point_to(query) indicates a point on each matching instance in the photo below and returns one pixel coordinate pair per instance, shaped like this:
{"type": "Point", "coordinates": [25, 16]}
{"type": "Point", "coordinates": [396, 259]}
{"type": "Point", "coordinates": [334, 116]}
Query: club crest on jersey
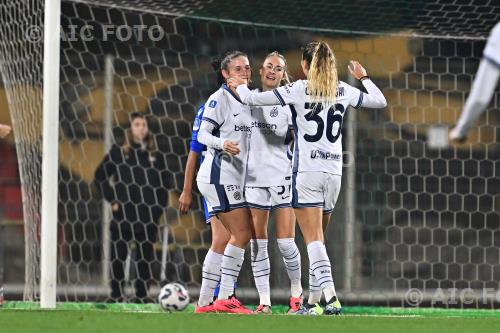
{"type": "Point", "coordinates": [274, 112]}
{"type": "Point", "coordinates": [212, 103]}
{"type": "Point", "coordinates": [237, 195]}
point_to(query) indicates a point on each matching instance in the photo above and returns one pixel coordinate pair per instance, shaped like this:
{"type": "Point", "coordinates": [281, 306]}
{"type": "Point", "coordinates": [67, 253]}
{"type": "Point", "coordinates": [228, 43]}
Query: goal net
{"type": "Point", "coordinates": [414, 219]}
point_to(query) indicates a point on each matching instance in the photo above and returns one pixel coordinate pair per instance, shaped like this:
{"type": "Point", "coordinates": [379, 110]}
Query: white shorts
{"type": "Point", "coordinates": [268, 198]}
{"type": "Point", "coordinates": [315, 189]}
{"type": "Point", "coordinates": [222, 198]}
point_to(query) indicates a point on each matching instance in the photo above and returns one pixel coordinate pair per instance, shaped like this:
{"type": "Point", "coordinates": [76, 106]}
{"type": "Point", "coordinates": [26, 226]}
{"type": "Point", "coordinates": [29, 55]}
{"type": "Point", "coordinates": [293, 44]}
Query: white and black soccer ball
{"type": "Point", "coordinates": [173, 297]}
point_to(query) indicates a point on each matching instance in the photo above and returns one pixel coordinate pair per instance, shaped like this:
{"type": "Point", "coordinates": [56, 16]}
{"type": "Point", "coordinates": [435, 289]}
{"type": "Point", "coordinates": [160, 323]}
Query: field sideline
{"type": "Point", "coordinates": [92, 317]}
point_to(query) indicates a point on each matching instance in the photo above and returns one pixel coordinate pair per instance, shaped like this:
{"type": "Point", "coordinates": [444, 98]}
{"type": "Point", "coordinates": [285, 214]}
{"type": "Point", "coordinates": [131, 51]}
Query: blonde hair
{"type": "Point", "coordinates": [322, 77]}
{"type": "Point", "coordinates": [286, 76]}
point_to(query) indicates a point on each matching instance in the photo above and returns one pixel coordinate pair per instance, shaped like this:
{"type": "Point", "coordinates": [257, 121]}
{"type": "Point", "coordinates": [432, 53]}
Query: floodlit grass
{"type": "Point", "coordinates": [103, 318]}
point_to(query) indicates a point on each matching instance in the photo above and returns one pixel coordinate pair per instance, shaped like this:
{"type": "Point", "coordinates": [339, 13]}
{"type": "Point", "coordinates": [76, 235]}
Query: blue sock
{"type": "Point", "coordinates": [216, 290]}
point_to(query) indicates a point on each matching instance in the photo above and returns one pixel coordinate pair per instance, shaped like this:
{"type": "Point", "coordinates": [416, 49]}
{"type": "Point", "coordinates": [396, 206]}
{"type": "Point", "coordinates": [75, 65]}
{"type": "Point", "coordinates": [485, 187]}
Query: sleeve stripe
{"type": "Point", "coordinates": [282, 101]}
{"type": "Point", "coordinates": [360, 100]}
{"type": "Point", "coordinates": [210, 120]}
{"type": "Point", "coordinates": [492, 61]}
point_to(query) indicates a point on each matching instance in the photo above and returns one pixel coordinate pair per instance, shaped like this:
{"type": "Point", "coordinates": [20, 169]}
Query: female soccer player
{"type": "Point", "coordinates": [220, 235]}
{"type": "Point", "coordinates": [268, 187]}
{"type": "Point", "coordinates": [482, 89]}
{"type": "Point", "coordinates": [225, 130]}
{"type": "Point", "coordinates": [318, 105]}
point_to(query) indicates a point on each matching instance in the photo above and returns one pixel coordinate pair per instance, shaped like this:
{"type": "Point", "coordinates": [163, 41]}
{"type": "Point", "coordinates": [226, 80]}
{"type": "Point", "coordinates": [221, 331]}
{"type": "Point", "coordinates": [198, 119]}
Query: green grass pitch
{"type": "Point", "coordinates": [88, 317]}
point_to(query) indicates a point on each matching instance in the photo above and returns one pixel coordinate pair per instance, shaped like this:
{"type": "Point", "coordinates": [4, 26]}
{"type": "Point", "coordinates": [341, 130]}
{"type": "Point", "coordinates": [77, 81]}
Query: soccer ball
{"type": "Point", "coordinates": [173, 297]}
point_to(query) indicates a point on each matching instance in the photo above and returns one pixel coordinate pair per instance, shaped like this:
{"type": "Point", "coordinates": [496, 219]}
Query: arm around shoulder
{"type": "Point", "coordinates": [374, 97]}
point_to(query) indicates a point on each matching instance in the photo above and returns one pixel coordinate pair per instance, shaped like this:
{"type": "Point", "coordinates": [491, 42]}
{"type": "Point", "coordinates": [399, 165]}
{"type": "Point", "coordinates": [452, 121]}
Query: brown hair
{"type": "Point", "coordinates": [286, 76]}
{"type": "Point", "coordinates": [223, 64]}
{"type": "Point", "coordinates": [322, 77]}
{"type": "Point", "coordinates": [129, 138]}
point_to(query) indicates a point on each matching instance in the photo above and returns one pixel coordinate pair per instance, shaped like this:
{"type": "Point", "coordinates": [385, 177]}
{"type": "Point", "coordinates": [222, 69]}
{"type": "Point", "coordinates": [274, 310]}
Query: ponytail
{"type": "Point", "coordinates": [322, 76]}
{"type": "Point", "coordinates": [218, 71]}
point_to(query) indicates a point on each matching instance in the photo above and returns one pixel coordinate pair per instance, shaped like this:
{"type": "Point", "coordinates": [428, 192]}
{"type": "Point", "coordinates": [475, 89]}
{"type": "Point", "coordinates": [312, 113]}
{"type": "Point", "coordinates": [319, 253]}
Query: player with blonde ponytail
{"type": "Point", "coordinates": [318, 106]}
{"type": "Point", "coordinates": [322, 75]}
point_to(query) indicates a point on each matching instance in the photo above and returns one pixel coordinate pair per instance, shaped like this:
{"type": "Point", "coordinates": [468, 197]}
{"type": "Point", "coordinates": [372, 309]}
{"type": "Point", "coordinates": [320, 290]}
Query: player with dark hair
{"type": "Point", "coordinates": [225, 130]}
{"type": "Point", "coordinates": [220, 235]}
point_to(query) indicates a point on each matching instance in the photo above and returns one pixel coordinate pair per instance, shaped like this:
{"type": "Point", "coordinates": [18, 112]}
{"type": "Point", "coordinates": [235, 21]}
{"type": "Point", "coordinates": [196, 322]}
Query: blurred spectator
{"type": "Point", "coordinates": [133, 178]}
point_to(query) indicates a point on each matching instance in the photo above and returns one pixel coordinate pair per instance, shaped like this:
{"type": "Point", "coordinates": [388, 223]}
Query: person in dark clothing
{"type": "Point", "coordinates": [133, 178]}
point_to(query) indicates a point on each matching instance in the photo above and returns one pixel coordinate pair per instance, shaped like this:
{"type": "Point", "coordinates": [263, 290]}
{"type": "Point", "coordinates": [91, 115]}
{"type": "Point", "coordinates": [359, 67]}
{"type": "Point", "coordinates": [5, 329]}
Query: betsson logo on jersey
{"type": "Point", "coordinates": [255, 124]}
{"type": "Point", "coordinates": [324, 155]}
{"type": "Point", "coordinates": [242, 128]}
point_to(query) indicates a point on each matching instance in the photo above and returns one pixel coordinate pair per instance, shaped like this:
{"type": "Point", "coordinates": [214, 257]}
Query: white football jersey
{"type": "Point", "coordinates": [492, 49]}
{"type": "Point", "coordinates": [268, 160]}
{"type": "Point", "coordinates": [232, 121]}
{"type": "Point", "coordinates": [318, 137]}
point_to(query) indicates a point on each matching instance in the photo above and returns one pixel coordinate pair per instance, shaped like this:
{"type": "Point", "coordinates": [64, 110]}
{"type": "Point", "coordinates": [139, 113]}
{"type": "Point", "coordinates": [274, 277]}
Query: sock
{"type": "Point", "coordinates": [210, 277]}
{"type": "Point", "coordinates": [291, 258]}
{"type": "Point", "coordinates": [230, 269]}
{"type": "Point", "coordinates": [261, 268]}
{"type": "Point", "coordinates": [296, 288]}
{"type": "Point", "coordinates": [216, 290]}
{"type": "Point", "coordinates": [330, 293]}
{"type": "Point", "coordinates": [314, 289]}
{"type": "Point", "coordinates": [319, 264]}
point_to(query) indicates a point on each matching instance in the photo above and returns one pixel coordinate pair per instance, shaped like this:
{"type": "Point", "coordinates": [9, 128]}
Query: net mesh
{"type": "Point", "coordinates": [21, 68]}
{"type": "Point", "coordinates": [424, 218]}
{"type": "Point", "coordinates": [424, 18]}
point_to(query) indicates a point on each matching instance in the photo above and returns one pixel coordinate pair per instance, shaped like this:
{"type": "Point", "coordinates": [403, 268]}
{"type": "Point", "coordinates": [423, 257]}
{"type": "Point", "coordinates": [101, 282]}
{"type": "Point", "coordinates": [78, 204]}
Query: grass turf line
{"type": "Point", "coordinates": [277, 309]}
{"type": "Point", "coordinates": [63, 321]}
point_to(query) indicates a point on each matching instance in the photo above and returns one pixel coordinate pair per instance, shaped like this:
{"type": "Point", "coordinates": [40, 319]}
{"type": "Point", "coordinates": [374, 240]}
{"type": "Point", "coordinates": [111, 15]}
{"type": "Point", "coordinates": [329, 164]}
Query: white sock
{"type": "Point", "coordinates": [296, 288]}
{"type": "Point", "coordinates": [314, 289]}
{"type": "Point", "coordinates": [321, 267]}
{"type": "Point", "coordinates": [230, 269]}
{"type": "Point", "coordinates": [291, 258]}
{"type": "Point", "coordinates": [210, 277]}
{"type": "Point", "coordinates": [261, 268]}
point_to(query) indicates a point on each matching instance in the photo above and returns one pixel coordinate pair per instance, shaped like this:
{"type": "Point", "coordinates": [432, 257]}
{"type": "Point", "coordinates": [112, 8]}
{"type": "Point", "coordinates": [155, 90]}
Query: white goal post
{"type": "Point", "coordinates": [50, 155]}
